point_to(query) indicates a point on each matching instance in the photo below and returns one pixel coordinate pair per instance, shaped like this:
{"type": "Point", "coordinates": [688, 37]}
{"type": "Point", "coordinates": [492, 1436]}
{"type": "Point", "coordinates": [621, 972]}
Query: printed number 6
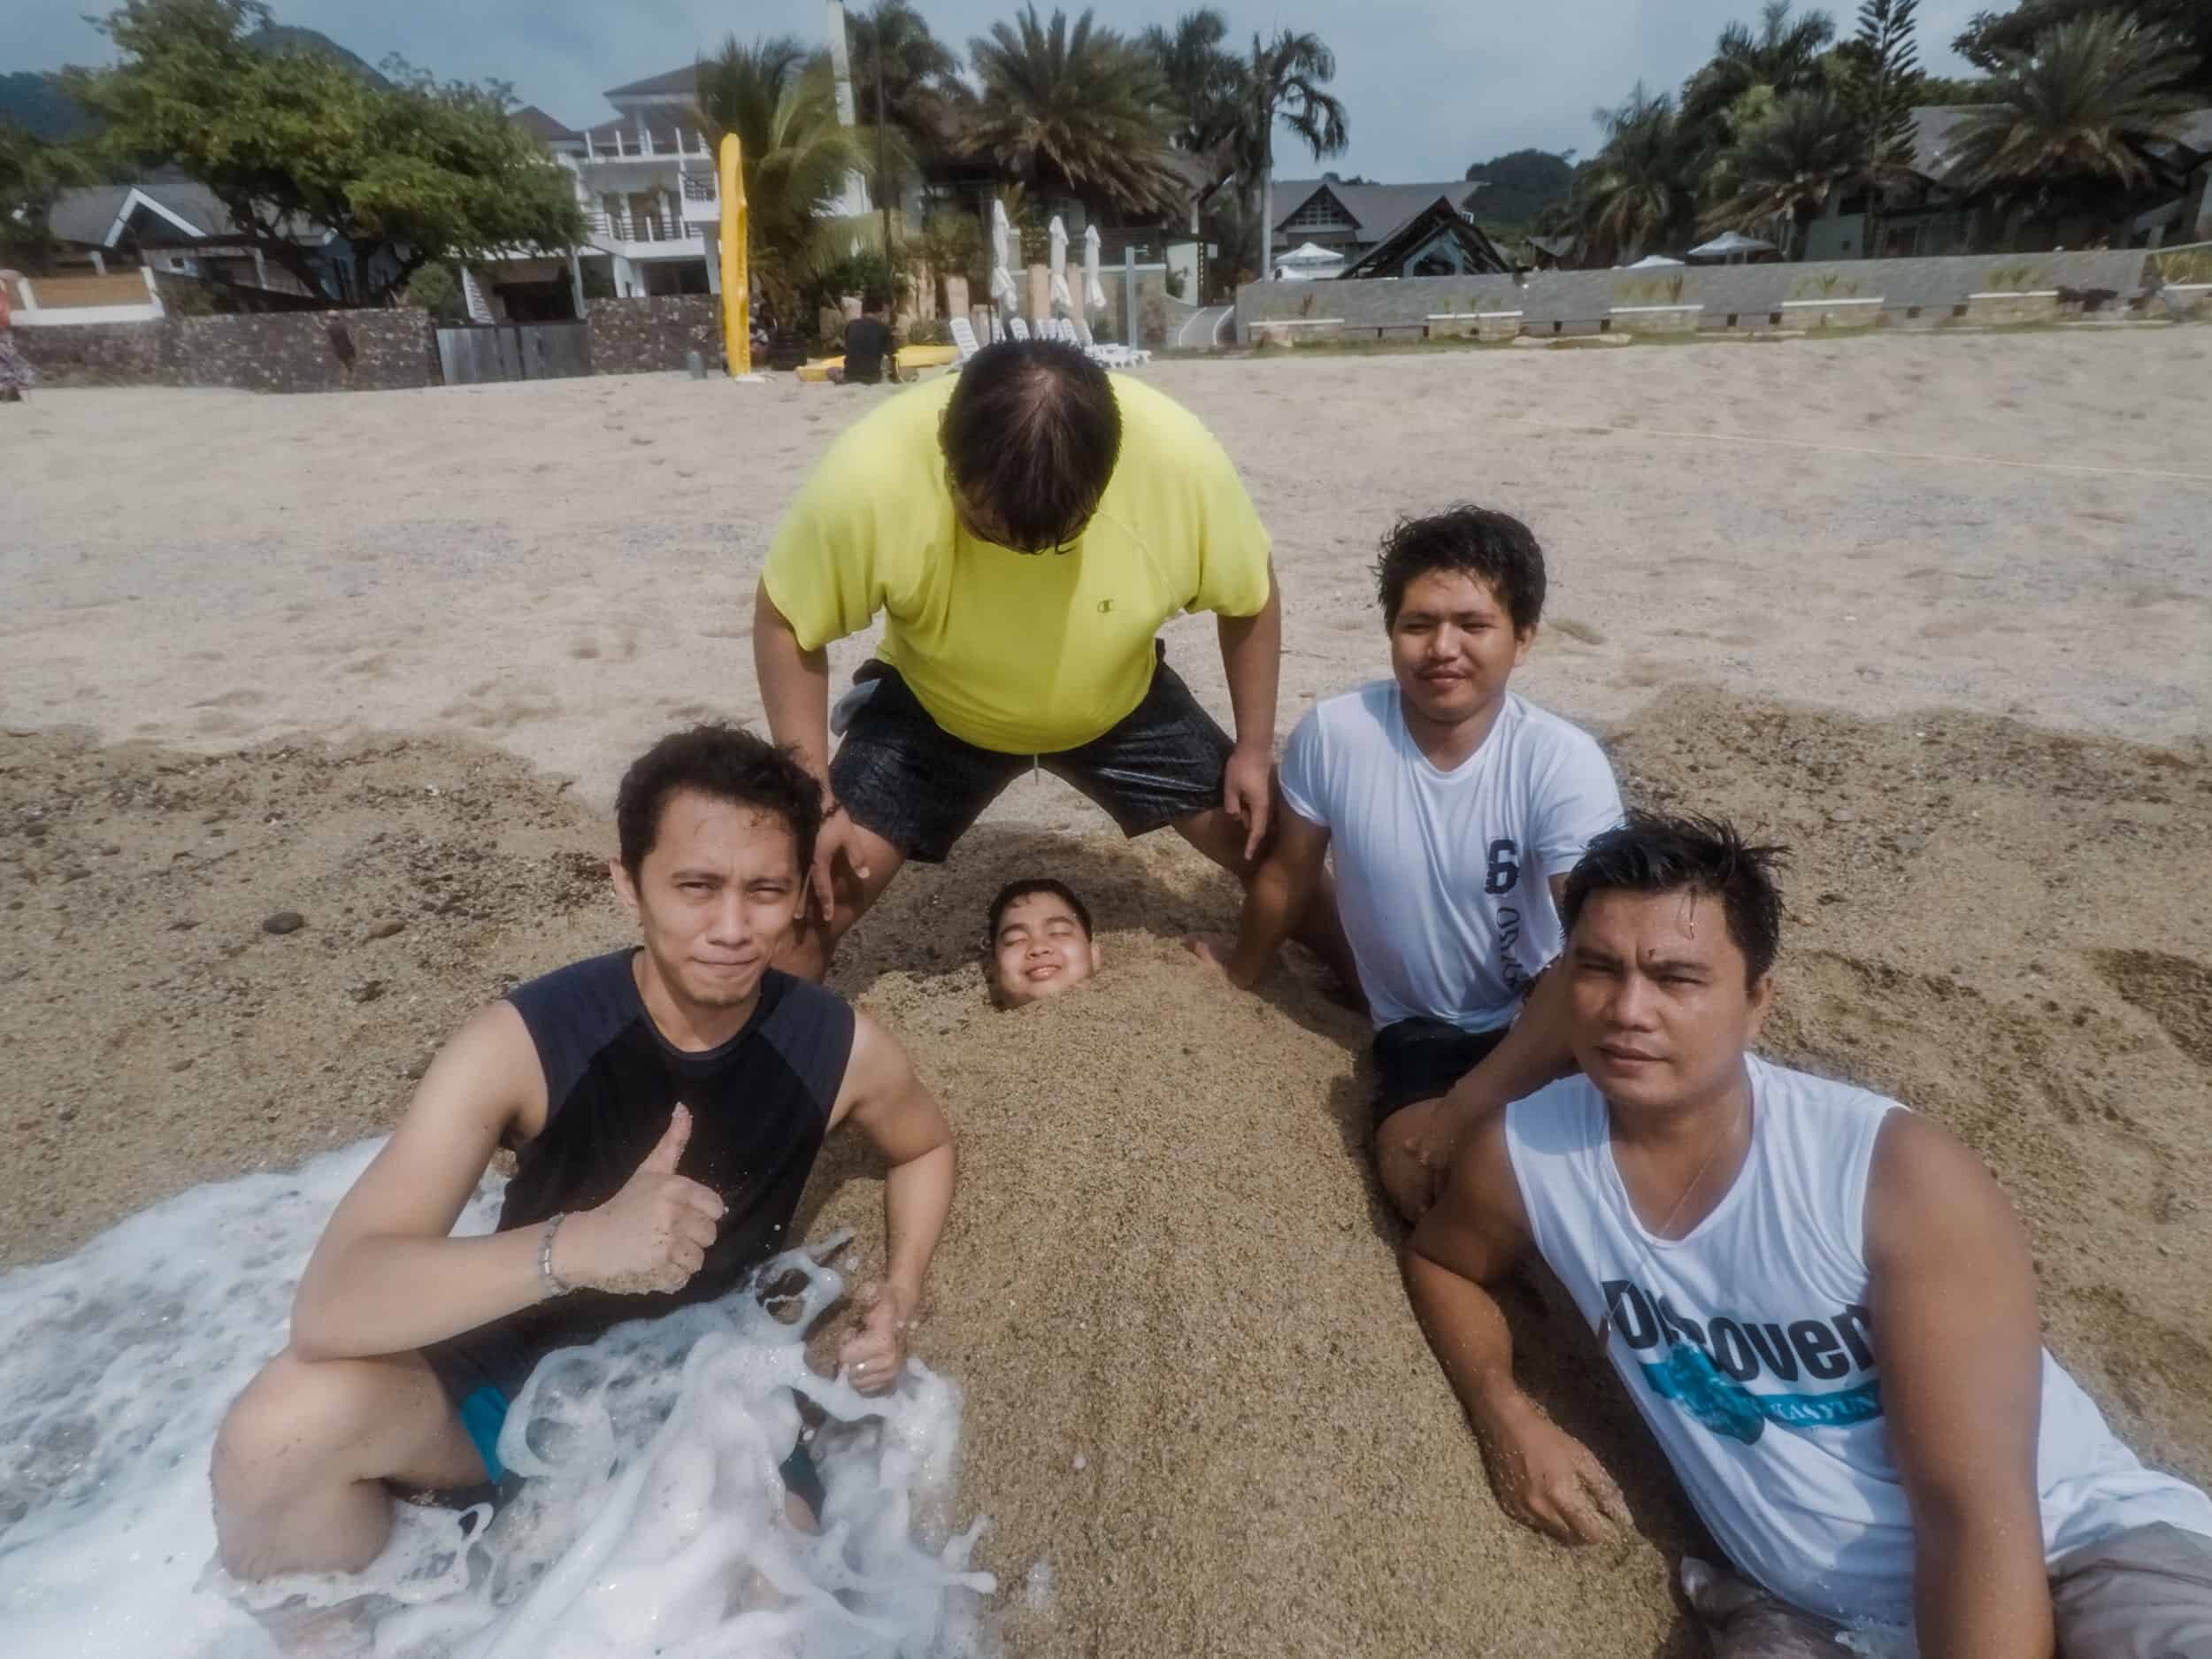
{"type": "Point", "coordinates": [1505, 868]}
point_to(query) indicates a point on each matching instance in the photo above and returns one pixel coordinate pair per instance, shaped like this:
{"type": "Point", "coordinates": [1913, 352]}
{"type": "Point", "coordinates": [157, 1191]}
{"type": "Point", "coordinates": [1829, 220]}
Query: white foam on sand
{"type": "Point", "coordinates": [653, 1520]}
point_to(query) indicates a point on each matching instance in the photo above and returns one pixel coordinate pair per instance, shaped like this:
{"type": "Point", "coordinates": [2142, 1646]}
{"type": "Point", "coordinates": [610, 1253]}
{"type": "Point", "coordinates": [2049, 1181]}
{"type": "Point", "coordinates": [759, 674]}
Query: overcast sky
{"type": "Point", "coordinates": [1428, 85]}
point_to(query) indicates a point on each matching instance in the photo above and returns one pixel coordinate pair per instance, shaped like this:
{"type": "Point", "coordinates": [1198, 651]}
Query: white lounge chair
{"type": "Point", "coordinates": [1019, 327]}
{"type": "Point", "coordinates": [965, 340]}
{"type": "Point", "coordinates": [1113, 356]}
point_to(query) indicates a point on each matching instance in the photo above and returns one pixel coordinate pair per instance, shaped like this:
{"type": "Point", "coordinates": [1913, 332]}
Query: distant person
{"type": "Point", "coordinates": [867, 343]}
{"type": "Point", "coordinates": [1452, 810]}
{"type": "Point", "coordinates": [17, 376]}
{"type": "Point", "coordinates": [1821, 1303]}
{"type": "Point", "coordinates": [664, 1104]}
{"type": "Point", "coordinates": [1037, 943]}
{"type": "Point", "coordinates": [1024, 528]}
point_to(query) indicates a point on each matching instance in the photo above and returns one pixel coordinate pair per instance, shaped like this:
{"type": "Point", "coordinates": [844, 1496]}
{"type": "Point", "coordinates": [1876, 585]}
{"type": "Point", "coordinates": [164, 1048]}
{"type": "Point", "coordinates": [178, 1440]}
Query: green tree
{"type": "Point", "coordinates": [33, 176]}
{"type": "Point", "coordinates": [1641, 188]}
{"type": "Point", "coordinates": [292, 143]}
{"type": "Point", "coordinates": [1074, 110]}
{"type": "Point", "coordinates": [1991, 37]}
{"type": "Point", "coordinates": [781, 102]}
{"type": "Point", "coordinates": [1204, 86]}
{"type": "Point", "coordinates": [1523, 186]}
{"type": "Point", "coordinates": [1286, 81]}
{"type": "Point", "coordinates": [1750, 68]}
{"type": "Point", "coordinates": [1882, 83]}
{"type": "Point", "coordinates": [2068, 121]}
{"type": "Point", "coordinates": [1788, 166]}
{"type": "Point", "coordinates": [919, 75]}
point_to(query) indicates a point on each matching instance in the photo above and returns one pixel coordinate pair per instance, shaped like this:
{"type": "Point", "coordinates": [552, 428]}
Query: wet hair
{"type": "Point", "coordinates": [1032, 431]}
{"type": "Point", "coordinates": [1022, 889]}
{"type": "Point", "coordinates": [1474, 541]}
{"type": "Point", "coordinates": [1654, 853]}
{"type": "Point", "coordinates": [726, 763]}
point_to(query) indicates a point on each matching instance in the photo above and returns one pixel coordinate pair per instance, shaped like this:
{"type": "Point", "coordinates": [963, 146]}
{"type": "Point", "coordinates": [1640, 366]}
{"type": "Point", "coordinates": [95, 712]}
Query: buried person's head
{"type": "Point", "coordinates": [1037, 942]}
{"type": "Point", "coordinates": [1030, 437]}
{"type": "Point", "coordinates": [716, 829]}
{"type": "Point", "coordinates": [1461, 591]}
{"type": "Point", "coordinates": [1672, 928]}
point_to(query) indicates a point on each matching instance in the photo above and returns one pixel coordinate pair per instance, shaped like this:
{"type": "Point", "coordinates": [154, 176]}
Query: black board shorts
{"type": "Point", "coordinates": [904, 776]}
{"type": "Point", "coordinates": [1420, 1058]}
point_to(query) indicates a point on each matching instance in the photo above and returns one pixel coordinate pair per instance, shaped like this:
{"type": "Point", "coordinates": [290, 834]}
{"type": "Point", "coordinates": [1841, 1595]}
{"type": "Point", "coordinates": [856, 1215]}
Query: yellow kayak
{"type": "Point", "coordinates": [911, 360]}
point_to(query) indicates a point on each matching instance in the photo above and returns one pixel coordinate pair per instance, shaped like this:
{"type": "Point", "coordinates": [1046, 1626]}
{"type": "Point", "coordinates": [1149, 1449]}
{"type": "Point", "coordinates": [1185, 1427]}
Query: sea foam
{"type": "Point", "coordinates": [653, 1518]}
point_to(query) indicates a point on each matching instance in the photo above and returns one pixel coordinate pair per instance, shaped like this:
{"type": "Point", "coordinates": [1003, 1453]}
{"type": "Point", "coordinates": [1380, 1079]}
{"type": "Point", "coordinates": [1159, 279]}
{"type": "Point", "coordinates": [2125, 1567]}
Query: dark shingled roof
{"type": "Point", "coordinates": [543, 126]}
{"type": "Point", "coordinates": [84, 216]}
{"type": "Point", "coordinates": [1377, 210]}
{"type": "Point", "coordinates": [675, 80]}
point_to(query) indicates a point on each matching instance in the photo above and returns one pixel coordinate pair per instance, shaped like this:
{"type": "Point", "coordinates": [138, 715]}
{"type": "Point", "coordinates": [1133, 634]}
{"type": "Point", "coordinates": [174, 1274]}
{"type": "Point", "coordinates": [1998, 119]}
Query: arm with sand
{"type": "Point", "coordinates": [889, 1104]}
{"type": "Point", "coordinates": [1282, 887]}
{"type": "Point", "coordinates": [386, 1279]}
{"type": "Point", "coordinates": [1952, 1294]}
{"type": "Point", "coordinates": [1475, 1235]}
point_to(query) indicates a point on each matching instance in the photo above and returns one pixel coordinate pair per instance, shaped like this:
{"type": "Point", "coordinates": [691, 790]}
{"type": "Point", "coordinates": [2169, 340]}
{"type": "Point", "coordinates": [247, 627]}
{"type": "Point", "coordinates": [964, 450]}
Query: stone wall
{"type": "Point", "coordinates": [654, 334]}
{"type": "Point", "coordinates": [1925, 291]}
{"type": "Point", "coordinates": [276, 352]}
{"type": "Point", "coordinates": [94, 354]}
{"type": "Point", "coordinates": [300, 351]}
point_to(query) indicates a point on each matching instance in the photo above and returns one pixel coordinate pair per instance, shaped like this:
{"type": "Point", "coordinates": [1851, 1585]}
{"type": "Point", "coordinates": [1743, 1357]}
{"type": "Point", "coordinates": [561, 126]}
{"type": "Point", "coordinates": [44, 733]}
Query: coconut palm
{"type": "Point", "coordinates": [781, 102]}
{"type": "Point", "coordinates": [1788, 166]}
{"type": "Point", "coordinates": [1203, 82]}
{"type": "Point", "coordinates": [1783, 56]}
{"type": "Point", "coordinates": [1640, 188]}
{"type": "Point", "coordinates": [1284, 81]}
{"type": "Point", "coordinates": [1071, 110]}
{"type": "Point", "coordinates": [2071, 118]}
{"type": "Point", "coordinates": [918, 75]}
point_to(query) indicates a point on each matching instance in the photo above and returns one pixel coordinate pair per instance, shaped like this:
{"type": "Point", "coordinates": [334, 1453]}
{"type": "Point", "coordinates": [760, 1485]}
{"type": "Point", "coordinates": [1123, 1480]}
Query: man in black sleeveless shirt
{"type": "Point", "coordinates": [664, 1104]}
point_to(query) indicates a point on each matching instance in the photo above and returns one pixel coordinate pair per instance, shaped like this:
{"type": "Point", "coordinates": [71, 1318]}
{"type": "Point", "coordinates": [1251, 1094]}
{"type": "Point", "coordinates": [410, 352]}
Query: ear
{"type": "Point", "coordinates": [1523, 638]}
{"type": "Point", "coordinates": [1761, 1004]}
{"type": "Point", "coordinates": [1095, 959]}
{"type": "Point", "coordinates": [624, 888]}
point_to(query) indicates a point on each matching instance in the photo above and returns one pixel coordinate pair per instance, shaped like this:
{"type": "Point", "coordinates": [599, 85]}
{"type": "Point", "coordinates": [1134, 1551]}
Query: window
{"type": "Point", "coordinates": [1320, 212]}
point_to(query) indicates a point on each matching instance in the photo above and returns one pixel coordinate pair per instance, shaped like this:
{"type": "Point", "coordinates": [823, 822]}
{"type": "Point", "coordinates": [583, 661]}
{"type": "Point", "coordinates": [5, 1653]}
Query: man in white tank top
{"type": "Point", "coordinates": [1821, 1303]}
{"type": "Point", "coordinates": [1453, 810]}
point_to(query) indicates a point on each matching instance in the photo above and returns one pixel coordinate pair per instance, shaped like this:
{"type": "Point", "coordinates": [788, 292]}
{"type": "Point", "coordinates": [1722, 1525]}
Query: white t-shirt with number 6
{"type": "Point", "coordinates": [1442, 878]}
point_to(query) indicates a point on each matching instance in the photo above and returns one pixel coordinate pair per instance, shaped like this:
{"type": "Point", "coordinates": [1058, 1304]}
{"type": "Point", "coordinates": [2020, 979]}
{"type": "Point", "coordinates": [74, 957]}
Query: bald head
{"type": "Point", "coordinates": [1030, 436]}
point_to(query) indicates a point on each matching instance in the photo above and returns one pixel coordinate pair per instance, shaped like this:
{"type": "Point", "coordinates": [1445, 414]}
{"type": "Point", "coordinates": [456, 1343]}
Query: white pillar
{"type": "Point", "coordinates": [623, 285]}
{"type": "Point", "coordinates": [260, 267]}
{"type": "Point", "coordinates": [99, 263]}
{"type": "Point", "coordinates": [576, 284]}
{"type": "Point", "coordinates": [714, 262]}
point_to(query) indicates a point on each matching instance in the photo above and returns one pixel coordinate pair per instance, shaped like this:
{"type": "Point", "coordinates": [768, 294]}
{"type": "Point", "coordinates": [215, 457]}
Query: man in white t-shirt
{"type": "Point", "coordinates": [1453, 810]}
{"type": "Point", "coordinates": [1821, 1303]}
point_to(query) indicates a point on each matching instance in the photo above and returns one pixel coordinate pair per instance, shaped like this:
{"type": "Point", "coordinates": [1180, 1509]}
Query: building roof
{"type": "Point", "coordinates": [543, 126]}
{"type": "Point", "coordinates": [674, 82]}
{"type": "Point", "coordinates": [1377, 210]}
{"type": "Point", "coordinates": [1442, 214]}
{"type": "Point", "coordinates": [85, 216]}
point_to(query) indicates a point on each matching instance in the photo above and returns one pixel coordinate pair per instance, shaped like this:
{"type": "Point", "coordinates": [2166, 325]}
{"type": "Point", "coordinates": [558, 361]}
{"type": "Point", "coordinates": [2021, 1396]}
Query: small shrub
{"type": "Point", "coordinates": [929, 331]}
{"type": "Point", "coordinates": [2184, 265]}
{"type": "Point", "coordinates": [1176, 283]}
{"type": "Point", "coordinates": [2014, 279]}
{"type": "Point", "coordinates": [1823, 285]}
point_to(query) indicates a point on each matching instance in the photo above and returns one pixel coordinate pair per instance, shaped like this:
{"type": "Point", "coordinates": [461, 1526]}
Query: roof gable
{"type": "Point", "coordinates": [1376, 210]}
{"type": "Point", "coordinates": [1442, 216]}
{"type": "Point", "coordinates": [673, 83]}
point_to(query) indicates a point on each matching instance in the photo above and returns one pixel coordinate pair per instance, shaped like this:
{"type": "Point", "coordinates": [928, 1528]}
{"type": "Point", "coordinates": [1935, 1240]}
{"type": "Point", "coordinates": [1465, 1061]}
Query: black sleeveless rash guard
{"type": "Point", "coordinates": [760, 1104]}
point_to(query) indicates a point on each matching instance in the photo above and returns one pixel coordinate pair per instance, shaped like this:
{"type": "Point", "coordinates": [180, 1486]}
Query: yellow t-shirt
{"type": "Point", "coordinates": [1022, 653]}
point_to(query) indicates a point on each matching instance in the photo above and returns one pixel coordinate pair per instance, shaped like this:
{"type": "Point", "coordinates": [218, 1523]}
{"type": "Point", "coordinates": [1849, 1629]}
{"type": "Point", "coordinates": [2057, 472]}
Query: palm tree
{"type": "Point", "coordinates": [781, 102]}
{"type": "Point", "coordinates": [1782, 56]}
{"type": "Point", "coordinates": [1074, 112]}
{"type": "Point", "coordinates": [1284, 82]}
{"type": "Point", "coordinates": [1641, 185]}
{"type": "Point", "coordinates": [1881, 83]}
{"type": "Point", "coordinates": [918, 75]}
{"type": "Point", "coordinates": [1789, 164]}
{"type": "Point", "coordinates": [2069, 119]}
{"type": "Point", "coordinates": [1204, 84]}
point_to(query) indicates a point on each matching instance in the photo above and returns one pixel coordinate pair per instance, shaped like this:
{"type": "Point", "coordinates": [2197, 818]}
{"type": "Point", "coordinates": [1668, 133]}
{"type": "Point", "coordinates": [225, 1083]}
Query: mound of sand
{"type": "Point", "coordinates": [1199, 1415]}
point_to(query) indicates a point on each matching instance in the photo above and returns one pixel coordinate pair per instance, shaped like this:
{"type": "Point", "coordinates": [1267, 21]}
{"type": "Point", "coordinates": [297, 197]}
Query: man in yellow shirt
{"type": "Point", "coordinates": [1025, 528]}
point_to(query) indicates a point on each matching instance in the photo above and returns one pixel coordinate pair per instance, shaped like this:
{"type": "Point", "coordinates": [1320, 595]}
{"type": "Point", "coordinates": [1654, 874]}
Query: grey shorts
{"type": "Point", "coordinates": [902, 775]}
{"type": "Point", "coordinates": [2144, 1594]}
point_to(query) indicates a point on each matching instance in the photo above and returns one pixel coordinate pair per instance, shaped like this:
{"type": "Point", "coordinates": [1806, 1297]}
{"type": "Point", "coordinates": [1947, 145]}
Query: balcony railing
{"type": "Point", "coordinates": [629, 144]}
{"type": "Point", "coordinates": [644, 227]}
{"type": "Point", "coordinates": [699, 187]}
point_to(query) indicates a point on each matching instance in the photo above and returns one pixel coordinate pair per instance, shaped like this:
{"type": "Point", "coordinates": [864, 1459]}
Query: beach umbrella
{"type": "Point", "coordinates": [1062, 305]}
{"type": "Point", "coordinates": [1094, 290]}
{"type": "Point", "coordinates": [1653, 262]}
{"type": "Point", "coordinates": [1003, 296]}
{"type": "Point", "coordinates": [1308, 260]}
{"type": "Point", "coordinates": [1731, 244]}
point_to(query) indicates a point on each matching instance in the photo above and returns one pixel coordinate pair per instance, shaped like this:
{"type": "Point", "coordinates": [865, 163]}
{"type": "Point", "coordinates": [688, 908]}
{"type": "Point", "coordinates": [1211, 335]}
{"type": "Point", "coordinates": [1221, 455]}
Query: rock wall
{"type": "Point", "coordinates": [652, 336]}
{"type": "Point", "coordinates": [94, 354]}
{"type": "Point", "coordinates": [296, 351]}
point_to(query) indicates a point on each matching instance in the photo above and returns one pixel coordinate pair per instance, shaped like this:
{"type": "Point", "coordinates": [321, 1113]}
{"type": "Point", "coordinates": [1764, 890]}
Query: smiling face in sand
{"type": "Point", "coordinates": [1040, 945]}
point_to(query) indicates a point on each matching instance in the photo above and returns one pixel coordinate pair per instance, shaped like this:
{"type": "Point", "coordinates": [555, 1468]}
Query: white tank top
{"type": "Point", "coordinates": [1748, 1348]}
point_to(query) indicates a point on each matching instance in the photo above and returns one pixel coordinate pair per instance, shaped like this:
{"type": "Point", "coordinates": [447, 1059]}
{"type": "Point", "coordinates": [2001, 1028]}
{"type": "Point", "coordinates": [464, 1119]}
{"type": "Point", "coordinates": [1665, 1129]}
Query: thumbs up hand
{"type": "Point", "coordinates": [651, 1235]}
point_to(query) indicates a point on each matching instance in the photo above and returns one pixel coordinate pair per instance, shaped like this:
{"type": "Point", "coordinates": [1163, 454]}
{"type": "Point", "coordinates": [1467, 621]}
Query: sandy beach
{"type": "Point", "coordinates": [1932, 609]}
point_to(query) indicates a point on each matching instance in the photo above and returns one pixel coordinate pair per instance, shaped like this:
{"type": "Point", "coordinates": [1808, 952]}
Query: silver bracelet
{"type": "Point", "coordinates": [545, 1255]}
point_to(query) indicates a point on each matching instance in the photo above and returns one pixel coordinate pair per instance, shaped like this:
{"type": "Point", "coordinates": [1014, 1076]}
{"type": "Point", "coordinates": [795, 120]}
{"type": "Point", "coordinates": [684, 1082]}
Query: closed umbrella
{"type": "Point", "coordinates": [1002, 297]}
{"type": "Point", "coordinates": [1062, 305]}
{"type": "Point", "coordinates": [1094, 290]}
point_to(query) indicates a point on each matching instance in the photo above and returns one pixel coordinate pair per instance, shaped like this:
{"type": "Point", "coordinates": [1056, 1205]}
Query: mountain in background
{"type": "Point", "coordinates": [1520, 186]}
{"type": "Point", "coordinates": [42, 109]}
{"type": "Point", "coordinates": [30, 100]}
